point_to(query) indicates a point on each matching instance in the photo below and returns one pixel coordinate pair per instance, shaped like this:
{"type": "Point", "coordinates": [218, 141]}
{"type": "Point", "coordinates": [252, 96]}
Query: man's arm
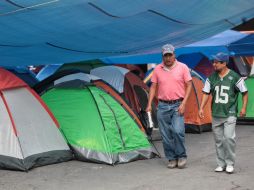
{"type": "Point", "coordinates": [181, 108]}
{"type": "Point", "coordinates": [152, 93]}
{"type": "Point", "coordinates": [245, 101]}
{"type": "Point", "coordinates": [203, 103]}
{"type": "Point", "coordinates": [188, 91]}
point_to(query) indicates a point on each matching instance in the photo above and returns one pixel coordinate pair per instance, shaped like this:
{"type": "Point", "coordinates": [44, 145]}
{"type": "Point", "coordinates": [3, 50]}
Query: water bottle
{"type": "Point", "coordinates": [150, 121]}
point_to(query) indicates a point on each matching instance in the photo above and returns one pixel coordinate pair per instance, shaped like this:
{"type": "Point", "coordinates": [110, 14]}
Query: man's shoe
{"type": "Point", "coordinates": [219, 169]}
{"type": "Point", "coordinates": [172, 164]}
{"type": "Point", "coordinates": [229, 169]}
{"type": "Point", "coordinates": [181, 163]}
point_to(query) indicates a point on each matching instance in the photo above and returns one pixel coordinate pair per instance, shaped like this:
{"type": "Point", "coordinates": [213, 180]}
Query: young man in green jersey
{"type": "Point", "coordinates": [224, 85]}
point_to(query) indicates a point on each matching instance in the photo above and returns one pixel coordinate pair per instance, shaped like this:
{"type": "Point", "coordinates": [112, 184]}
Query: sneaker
{"type": "Point", "coordinates": [219, 169]}
{"type": "Point", "coordinates": [172, 164]}
{"type": "Point", "coordinates": [229, 169]}
{"type": "Point", "coordinates": [181, 163]}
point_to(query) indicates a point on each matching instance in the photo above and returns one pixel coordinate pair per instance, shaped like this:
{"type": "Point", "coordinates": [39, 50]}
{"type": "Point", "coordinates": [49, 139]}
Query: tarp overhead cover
{"type": "Point", "coordinates": [60, 31]}
{"type": "Point", "coordinates": [229, 41]}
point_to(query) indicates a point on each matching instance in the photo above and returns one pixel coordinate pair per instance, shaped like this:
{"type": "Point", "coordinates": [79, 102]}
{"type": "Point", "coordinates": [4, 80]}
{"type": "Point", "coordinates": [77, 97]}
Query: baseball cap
{"type": "Point", "coordinates": [221, 57]}
{"type": "Point", "coordinates": [167, 48]}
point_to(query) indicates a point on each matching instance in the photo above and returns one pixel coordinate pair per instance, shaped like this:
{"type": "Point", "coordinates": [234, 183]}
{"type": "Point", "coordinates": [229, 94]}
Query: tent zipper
{"type": "Point", "coordinates": [117, 124]}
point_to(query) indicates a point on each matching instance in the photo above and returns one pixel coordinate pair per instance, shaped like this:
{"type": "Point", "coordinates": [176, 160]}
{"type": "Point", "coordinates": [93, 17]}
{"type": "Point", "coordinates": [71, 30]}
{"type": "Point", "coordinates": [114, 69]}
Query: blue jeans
{"type": "Point", "coordinates": [172, 130]}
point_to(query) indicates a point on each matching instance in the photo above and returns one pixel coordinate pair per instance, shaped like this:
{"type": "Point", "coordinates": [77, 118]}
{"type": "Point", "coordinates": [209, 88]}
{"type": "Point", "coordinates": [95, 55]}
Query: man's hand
{"type": "Point", "coordinates": [148, 108]}
{"type": "Point", "coordinates": [243, 112]}
{"type": "Point", "coordinates": [201, 113]}
{"type": "Point", "coordinates": [181, 109]}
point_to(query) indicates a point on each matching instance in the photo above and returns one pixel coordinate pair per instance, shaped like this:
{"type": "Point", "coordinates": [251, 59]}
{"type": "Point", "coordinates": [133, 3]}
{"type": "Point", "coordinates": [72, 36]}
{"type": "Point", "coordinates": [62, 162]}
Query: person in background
{"type": "Point", "coordinates": [172, 81]}
{"type": "Point", "coordinates": [224, 85]}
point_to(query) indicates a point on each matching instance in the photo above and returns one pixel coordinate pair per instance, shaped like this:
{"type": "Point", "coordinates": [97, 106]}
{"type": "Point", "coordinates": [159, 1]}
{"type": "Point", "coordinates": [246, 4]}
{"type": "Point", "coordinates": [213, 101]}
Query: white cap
{"type": "Point", "coordinates": [168, 48]}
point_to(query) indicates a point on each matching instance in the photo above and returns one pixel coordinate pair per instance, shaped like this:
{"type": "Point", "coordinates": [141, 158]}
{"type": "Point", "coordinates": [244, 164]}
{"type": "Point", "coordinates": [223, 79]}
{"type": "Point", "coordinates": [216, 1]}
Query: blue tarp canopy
{"type": "Point", "coordinates": [61, 31]}
{"type": "Point", "coordinates": [231, 42]}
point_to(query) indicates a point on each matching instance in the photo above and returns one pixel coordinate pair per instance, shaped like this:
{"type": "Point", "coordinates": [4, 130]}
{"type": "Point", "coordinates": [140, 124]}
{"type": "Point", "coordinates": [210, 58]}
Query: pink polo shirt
{"type": "Point", "coordinates": [171, 83]}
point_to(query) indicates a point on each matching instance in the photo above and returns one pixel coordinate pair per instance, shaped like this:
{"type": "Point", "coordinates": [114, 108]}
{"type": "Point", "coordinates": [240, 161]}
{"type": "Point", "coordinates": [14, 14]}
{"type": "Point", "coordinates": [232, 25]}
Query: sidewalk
{"type": "Point", "coordinates": [146, 174]}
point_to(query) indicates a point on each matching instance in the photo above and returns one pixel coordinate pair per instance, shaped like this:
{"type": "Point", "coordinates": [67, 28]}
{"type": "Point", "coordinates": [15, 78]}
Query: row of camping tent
{"type": "Point", "coordinates": [197, 61]}
{"type": "Point", "coordinates": [130, 87]}
{"type": "Point", "coordinates": [94, 122]}
{"type": "Point", "coordinates": [135, 92]}
{"type": "Point", "coordinates": [132, 90]}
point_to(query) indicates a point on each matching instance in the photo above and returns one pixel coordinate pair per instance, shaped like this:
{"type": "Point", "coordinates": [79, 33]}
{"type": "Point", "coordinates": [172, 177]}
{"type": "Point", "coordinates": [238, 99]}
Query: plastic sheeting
{"type": "Point", "coordinates": [231, 42]}
{"type": "Point", "coordinates": [61, 31]}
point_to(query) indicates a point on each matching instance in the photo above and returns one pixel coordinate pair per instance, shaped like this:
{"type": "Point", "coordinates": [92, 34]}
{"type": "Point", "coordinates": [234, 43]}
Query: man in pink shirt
{"type": "Point", "coordinates": [172, 80]}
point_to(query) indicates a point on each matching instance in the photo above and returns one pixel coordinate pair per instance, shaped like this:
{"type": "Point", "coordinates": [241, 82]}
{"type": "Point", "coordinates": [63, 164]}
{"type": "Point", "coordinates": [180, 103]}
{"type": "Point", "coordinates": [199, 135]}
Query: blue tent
{"type": "Point", "coordinates": [54, 32]}
{"type": "Point", "coordinates": [47, 71]}
{"type": "Point", "coordinates": [24, 74]}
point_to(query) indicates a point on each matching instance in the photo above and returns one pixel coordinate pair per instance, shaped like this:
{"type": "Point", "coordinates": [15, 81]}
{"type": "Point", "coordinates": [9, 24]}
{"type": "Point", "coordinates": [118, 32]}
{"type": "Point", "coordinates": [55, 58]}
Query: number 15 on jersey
{"type": "Point", "coordinates": [221, 94]}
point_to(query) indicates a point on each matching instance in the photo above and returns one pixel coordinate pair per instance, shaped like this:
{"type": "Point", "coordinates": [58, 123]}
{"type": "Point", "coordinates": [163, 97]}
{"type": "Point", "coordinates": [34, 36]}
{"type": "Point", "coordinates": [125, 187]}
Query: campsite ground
{"type": "Point", "coordinates": [146, 174]}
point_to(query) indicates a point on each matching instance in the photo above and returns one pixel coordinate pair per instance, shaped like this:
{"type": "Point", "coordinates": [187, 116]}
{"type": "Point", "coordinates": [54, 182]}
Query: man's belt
{"type": "Point", "coordinates": [171, 101]}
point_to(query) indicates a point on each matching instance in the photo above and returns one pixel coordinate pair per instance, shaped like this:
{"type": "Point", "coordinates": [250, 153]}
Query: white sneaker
{"type": "Point", "coordinates": [229, 169]}
{"type": "Point", "coordinates": [181, 163]}
{"type": "Point", "coordinates": [219, 169]}
{"type": "Point", "coordinates": [172, 164]}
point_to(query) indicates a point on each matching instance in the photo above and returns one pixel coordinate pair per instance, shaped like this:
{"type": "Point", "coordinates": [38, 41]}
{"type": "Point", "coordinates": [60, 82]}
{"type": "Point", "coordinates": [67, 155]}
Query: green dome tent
{"type": "Point", "coordinates": [95, 125]}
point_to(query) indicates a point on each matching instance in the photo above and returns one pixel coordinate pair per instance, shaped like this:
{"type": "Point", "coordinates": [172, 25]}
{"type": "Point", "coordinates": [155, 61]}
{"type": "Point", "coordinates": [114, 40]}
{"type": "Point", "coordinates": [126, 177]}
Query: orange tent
{"type": "Point", "coordinates": [193, 124]}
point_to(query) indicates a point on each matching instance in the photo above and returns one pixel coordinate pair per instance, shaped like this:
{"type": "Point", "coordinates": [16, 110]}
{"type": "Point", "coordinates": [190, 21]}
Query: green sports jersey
{"type": "Point", "coordinates": [224, 93]}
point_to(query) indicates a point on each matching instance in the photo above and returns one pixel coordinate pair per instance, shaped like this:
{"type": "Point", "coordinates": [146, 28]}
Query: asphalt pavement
{"type": "Point", "coordinates": [146, 174]}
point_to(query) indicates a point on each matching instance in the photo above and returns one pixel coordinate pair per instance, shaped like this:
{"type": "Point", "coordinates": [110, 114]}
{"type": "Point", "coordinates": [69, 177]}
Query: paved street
{"type": "Point", "coordinates": [146, 174]}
